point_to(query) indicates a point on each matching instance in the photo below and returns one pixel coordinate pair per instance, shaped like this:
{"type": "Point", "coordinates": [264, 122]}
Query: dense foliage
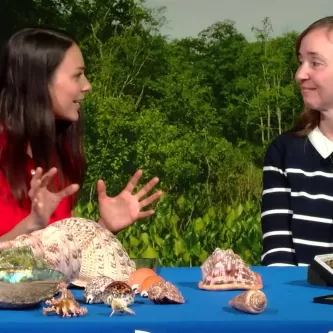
{"type": "Point", "coordinates": [196, 112]}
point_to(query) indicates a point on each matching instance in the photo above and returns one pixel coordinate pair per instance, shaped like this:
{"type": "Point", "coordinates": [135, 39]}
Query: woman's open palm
{"type": "Point", "coordinates": [119, 212]}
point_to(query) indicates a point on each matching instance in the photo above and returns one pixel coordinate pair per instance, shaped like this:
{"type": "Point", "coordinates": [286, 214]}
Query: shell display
{"type": "Point", "coordinates": [251, 301]}
{"type": "Point", "coordinates": [225, 270]}
{"type": "Point", "coordinates": [94, 289]}
{"type": "Point", "coordinates": [164, 292]}
{"type": "Point", "coordinates": [119, 295]}
{"type": "Point", "coordinates": [79, 248]}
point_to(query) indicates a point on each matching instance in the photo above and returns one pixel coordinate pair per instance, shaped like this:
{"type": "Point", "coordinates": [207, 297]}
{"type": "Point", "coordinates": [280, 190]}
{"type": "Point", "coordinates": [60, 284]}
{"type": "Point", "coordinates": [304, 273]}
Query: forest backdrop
{"type": "Point", "coordinates": [196, 112]}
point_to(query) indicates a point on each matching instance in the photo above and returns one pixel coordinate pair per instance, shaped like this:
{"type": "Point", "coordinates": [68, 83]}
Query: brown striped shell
{"type": "Point", "coordinates": [225, 270]}
{"type": "Point", "coordinates": [251, 301]}
{"type": "Point", "coordinates": [164, 292]}
{"type": "Point", "coordinates": [79, 248]}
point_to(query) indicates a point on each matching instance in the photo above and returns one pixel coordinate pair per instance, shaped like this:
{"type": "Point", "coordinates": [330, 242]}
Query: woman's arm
{"type": "Point", "coordinates": [276, 213]}
{"type": "Point", "coordinates": [26, 226]}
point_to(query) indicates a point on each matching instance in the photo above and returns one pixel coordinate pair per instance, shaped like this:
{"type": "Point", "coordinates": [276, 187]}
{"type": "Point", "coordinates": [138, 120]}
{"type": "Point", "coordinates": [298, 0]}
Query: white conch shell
{"type": "Point", "coordinates": [79, 248]}
{"type": "Point", "coordinates": [251, 301]}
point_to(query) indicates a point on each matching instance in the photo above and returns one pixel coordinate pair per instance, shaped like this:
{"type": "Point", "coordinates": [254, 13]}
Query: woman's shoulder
{"type": "Point", "coordinates": [290, 139]}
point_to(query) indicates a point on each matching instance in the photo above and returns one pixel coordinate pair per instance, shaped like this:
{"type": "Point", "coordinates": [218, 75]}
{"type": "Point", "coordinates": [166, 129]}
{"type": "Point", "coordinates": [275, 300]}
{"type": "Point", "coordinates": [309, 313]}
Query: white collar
{"type": "Point", "coordinates": [322, 144]}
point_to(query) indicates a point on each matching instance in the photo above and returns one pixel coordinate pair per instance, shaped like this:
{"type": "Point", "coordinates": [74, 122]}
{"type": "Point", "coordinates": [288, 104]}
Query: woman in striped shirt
{"type": "Point", "coordinates": [297, 200]}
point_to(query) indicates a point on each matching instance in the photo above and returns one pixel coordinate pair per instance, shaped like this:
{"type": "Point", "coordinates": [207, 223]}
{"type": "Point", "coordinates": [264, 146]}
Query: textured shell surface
{"type": "Point", "coordinates": [118, 290]}
{"type": "Point", "coordinates": [224, 269]}
{"type": "Point", "coordinates": [164, 292]}
{"type": "Point", "coordinates": [79, 248]}
{"type": "Point", "coordinates": [251, 301]}
{"type": "Point", "coordinates": [102, 253]}
{"type": "Point", "coordinates": [55, 246]}
{"type": "Point", "coordinates": [94, 289]}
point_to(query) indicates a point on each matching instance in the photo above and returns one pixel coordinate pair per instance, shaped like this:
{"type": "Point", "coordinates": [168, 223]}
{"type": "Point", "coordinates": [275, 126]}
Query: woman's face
{"type": "Point", "coordinates": [315, 73]}
{"type": "Point", "coordinates": [69, 85]}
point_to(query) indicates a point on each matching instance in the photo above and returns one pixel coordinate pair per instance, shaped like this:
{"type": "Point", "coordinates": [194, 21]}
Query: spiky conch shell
{"type": "Point", "coordinates": [79, 248]}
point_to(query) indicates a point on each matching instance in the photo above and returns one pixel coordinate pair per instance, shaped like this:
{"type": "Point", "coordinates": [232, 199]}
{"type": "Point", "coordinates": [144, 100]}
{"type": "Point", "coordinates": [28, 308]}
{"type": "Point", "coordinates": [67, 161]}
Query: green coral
{"type": "Point", "coordinates": [21, 257]}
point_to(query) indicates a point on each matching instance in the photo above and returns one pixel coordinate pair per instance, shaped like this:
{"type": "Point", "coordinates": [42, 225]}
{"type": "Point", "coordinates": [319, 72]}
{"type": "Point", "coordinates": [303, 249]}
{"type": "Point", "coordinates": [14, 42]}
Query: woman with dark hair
{"type": "Point", "coordinates": [297, 200]}
{"type": "Point", "coordinates": [42, 162]}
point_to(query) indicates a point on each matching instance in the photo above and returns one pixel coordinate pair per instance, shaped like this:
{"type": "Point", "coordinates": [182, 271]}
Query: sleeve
{"type": "Point", "coordinates": [11, 213]}
{"type": "Point", "coordinates": [276, 213]}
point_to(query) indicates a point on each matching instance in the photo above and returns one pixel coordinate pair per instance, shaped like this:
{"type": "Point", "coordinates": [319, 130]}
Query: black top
{"type": "Point", "coordinates": [297, 201]}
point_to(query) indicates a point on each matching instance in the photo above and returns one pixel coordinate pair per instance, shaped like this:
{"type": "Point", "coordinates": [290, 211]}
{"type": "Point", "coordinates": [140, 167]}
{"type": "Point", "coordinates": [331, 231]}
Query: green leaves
{"type": "Point", "coordinates": [175, 240]}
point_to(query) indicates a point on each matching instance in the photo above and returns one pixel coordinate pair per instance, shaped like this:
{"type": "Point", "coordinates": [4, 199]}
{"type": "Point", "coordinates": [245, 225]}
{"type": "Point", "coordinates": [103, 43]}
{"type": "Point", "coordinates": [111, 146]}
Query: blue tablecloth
{"type": "Point", "coordinates": [290, 309]}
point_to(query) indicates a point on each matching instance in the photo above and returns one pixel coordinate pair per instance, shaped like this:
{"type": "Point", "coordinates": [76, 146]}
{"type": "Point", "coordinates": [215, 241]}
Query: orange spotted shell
{"type": "Point", "coordinates": [147, 283]}
{"type": "Point", "coordinates": [137, 277]}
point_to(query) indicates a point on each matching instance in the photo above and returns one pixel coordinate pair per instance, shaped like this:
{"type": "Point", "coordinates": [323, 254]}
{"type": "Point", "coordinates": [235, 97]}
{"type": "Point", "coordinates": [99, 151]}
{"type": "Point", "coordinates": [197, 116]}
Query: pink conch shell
{"type": "Point", "coordinates": [79, 248]}
{"type": "Point", "coordinates": [251, 301]}
{"type": "Point", "coordinates": [164, 292]}
{"type": "Point", "coordinates": [225, 270]}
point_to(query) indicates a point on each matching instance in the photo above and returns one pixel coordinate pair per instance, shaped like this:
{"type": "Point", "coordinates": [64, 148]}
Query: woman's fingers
{"type": "Point", "coordinates": [46, 178]}
{"type": "Point", "coordinates": [39, 180]}
{"type": "Point", "coordinates": [35, 181]}
{"type": "Point", "coordinates": [69, 190]}
{"type": "Point", "coordinates": [147, 188]}
{"type": "Point", "coordinates": [150, 199]}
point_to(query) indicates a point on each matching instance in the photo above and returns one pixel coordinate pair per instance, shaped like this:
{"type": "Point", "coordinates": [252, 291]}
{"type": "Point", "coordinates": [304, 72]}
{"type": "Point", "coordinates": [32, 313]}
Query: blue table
{"type": "Point", "coordinates": [290, 309]}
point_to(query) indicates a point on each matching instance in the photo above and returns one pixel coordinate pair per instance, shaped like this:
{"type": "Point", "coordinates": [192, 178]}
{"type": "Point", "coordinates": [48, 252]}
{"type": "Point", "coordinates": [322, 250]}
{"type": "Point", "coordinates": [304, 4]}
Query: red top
{"type": "Point", "coordinates": [11, 213]}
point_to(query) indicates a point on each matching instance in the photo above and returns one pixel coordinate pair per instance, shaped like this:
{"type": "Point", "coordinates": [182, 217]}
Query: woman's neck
{"type": "Point", "coordinates": [326, 124]}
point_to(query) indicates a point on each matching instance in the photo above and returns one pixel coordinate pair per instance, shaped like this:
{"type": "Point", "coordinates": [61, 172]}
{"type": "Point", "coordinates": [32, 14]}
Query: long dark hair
{"type": "Point", "coordinates": [309, 118]}
{"type": "Point", "coordinates": [27, 64]}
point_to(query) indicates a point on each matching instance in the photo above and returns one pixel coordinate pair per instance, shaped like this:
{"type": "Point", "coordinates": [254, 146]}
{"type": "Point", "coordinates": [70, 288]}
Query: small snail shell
{"type": "Point", "coordinates": [251, 301]}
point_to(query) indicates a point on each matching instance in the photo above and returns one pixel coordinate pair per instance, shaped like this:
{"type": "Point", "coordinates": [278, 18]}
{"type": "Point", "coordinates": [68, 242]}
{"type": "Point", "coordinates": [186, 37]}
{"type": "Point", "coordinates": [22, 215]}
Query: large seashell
{"type": "Point", "coordinates": [225, 270]}
{"type": "Point", "coordinates": [164, 292]}
{"type": "Point", "coordinates": [54, 246]}
{"type": "Point", "coordinates": [94, 289]}
{"type": "Point", "coordinates": [251, 301]}
{"type": "Point", "coordinates": [79, 248]}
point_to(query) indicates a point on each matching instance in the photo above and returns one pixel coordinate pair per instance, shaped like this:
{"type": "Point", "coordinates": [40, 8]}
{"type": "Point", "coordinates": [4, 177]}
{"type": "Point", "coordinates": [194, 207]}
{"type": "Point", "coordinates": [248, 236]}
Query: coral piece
{"type": "Point", "coordinates": [164, 292]}
{"type": "Point", "coordinates": [94, 289]}
{"type": "Point", "coordinates": [65, 305]}
{"type": "Point", "coordinates": [147, 283]}
{"type": "Point", "coordinates": [138, 276]}
{"type": "Point", "coordinates": [119, 295]}
{"type": "Point", "coordinates": [251, 301]}
{"type": "Point", "coordinates": [225, 270]}
{"type": "Point", "coordinates": [79, 248]}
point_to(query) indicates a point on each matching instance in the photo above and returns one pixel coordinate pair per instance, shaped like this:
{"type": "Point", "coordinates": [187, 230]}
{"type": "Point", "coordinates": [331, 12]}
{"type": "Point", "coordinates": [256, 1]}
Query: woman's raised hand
{"type": "Point", "coordinates": [43, 201]}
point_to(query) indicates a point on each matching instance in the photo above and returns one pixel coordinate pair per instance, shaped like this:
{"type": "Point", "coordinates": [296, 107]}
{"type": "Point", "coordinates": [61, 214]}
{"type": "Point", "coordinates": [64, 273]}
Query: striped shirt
{"type": "Point", "coordinates": [297, 199]}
